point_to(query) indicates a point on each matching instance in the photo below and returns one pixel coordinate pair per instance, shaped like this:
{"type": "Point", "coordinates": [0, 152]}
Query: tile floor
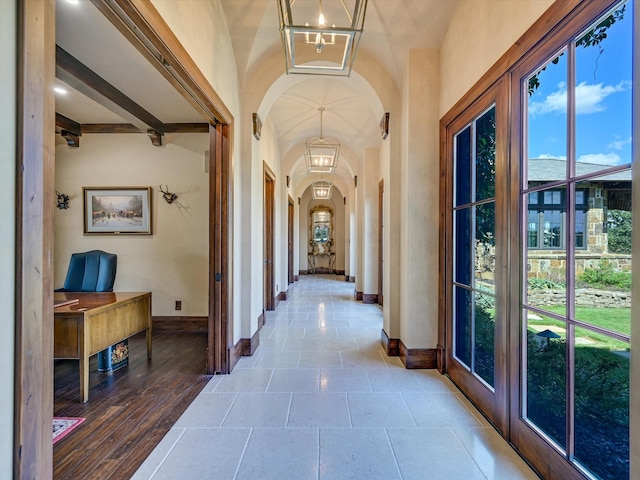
{"type": "Point", "coordinates": [320, 400]}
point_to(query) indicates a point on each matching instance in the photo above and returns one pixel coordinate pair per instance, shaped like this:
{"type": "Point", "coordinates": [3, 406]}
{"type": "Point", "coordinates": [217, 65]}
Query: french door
{"type": "Point", "coordinates": [537, 220]}
{"type": "Point", "coordinates": [475, 222]}
{"type": "Point", "coordinates": [572, 228]}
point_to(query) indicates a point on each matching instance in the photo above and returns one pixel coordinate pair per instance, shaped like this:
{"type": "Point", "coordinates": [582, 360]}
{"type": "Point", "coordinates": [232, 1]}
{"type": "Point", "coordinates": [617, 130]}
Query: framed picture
{"type": "Point", "coordinates": [117, 210]}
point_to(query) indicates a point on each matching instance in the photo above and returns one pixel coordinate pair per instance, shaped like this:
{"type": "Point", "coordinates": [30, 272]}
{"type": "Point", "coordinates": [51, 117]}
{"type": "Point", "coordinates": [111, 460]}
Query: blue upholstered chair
{"type": "Point", "coordinates": [93, 271]}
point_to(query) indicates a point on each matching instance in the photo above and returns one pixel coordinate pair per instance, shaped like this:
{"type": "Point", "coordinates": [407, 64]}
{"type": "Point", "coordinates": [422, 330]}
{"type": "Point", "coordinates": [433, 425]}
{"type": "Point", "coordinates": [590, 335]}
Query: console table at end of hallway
{"type": "Point", "coordinates": [95, 322]}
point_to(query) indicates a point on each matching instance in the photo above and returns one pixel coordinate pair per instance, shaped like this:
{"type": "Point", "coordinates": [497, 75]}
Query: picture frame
{"type": "Point", "coordinates": [117, 210]}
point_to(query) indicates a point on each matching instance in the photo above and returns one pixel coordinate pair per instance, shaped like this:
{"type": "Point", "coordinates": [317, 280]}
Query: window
{"type": "Point", "coordinates": [547, 219]}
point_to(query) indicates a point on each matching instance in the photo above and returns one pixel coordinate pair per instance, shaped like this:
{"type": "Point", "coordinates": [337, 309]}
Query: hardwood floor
{"type": "Point", "coordinates": [130, 410]}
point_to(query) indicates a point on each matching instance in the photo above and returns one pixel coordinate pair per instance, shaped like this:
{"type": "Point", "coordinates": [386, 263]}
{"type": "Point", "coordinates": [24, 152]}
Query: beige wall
{"type": "Point", "coordinates": [173, 262]}
{"type": "Point", "coordinates": [201, 28]}
{"type": "Point", "coordinates": [479, 34]}
{"type": "Point", "coordinates": [7, 230]}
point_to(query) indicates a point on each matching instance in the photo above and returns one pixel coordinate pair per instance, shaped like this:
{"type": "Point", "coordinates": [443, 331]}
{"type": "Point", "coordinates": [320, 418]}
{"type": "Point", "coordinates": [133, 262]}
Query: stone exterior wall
{"type": "Point", "coordinates": [551, 264]}
{"type": "Point", "coordinates": [585, 297]}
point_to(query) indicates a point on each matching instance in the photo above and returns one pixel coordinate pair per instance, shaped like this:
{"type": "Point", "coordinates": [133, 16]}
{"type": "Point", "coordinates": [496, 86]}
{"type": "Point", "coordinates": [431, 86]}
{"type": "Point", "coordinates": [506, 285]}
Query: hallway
{"type": "Point", "coordinates": [320, 399]}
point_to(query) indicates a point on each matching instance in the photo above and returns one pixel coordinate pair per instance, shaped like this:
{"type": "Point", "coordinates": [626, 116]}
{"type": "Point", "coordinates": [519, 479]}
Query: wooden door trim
{"type": "Point", "coordinates": [219, 331]}
{"type": "Point", "coordinates": [269, 226]}
{"type": "Point", "coordinates": [380, 241]}
{"type": "Point", "coordinates": [290, 238]}
{"type": "Point", "coordinates": [34, 212]}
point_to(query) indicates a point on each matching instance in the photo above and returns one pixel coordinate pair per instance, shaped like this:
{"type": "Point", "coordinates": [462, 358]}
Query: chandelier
{"type": "Point", "coordinates": [321, 190]}
{"type": "Point", "coordinates": [320, 49]}
{"type": "Point", "coordinates": [321, 154]}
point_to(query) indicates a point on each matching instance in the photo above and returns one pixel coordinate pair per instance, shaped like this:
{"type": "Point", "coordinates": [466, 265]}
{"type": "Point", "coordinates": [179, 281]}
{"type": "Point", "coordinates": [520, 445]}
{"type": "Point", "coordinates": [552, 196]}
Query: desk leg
{"type": "Point", "coordinates": [149, 342]}
{"type": "Point", "coordinates": [83, 359]}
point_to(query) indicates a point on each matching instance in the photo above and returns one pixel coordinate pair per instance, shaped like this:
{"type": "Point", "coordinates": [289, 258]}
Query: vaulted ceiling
{"type": "Point", "coordinates": [88, 42]}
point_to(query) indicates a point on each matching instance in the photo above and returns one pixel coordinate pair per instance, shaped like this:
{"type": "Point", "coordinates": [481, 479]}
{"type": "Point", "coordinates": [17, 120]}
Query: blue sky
{"type": "Point", "coordinates": [603, 101]}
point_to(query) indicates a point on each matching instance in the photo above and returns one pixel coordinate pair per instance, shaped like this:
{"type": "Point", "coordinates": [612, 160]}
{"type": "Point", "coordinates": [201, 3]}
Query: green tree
{"type": "Point", "coordinates": [619, 231]}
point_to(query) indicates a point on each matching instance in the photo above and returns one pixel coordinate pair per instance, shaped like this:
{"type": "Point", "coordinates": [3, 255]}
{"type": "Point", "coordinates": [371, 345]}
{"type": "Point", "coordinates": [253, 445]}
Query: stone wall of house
{"type": "Point", "coordinates": [585, 297]}
{"type": "Point", "coordinates": [551, 264]}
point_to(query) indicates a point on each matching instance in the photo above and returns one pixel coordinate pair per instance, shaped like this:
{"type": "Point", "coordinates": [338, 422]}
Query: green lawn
{"type": "Point", "coordinates": [615, 319]}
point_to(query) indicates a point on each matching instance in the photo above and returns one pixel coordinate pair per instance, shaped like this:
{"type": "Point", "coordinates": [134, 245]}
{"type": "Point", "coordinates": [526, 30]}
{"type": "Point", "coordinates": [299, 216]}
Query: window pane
{"type": "Point", "coordinates": [484, 336]}
{"type": "Point", "coordinates": [485, 258]}
{"type": "Point", "coordinates": [486, 155]}
{"type": "Point", "coordinates": [462, 171]}
{"type": "Point", "coordinates": [552, 229]}
{"type": "Point", "coordinates": [462, 325]}
{"type": "Point", "coordinates": [462, 251]}
{"type": "Point", "coordinates": [533, 230]}
{"type": "Point", "coordinates": [603, 91]}
{"type": "Point", "coordinates": [602, 404]}
{"type": "Point", "coordinates": [547, 122]}
{"type": "Point", "coordinates": [603, 270]}
{"type": "Point", "coordinates": [546, 377]}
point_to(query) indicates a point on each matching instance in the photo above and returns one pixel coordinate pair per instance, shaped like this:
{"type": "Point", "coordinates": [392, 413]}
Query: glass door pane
{"type": "Point", "coordinates": [474, 247]}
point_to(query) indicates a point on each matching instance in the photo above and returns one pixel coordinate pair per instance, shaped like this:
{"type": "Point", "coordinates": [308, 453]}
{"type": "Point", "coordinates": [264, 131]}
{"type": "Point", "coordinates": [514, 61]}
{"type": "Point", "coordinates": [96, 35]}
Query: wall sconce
{"type": "Point", "coordinates": [167, 195]}
{"type": "Point", "coordinates": [384, 125]}
{"type": "Point", "coordinates": [257, 126]}
{"type": "Point", "coordinates": [63, 200]}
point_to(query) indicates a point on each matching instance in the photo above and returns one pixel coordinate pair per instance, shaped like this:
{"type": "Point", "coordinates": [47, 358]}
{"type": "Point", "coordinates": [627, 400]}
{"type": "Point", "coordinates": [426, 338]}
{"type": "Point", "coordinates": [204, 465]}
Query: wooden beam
{"type": "Point", "coordinates": [128, 128]}
{"type": "Point", "coordinates": [64, 123]}
{"type": "Point", "coordinates": [34, 211]}
{"type": "Point", "coordinates": [89, 83]}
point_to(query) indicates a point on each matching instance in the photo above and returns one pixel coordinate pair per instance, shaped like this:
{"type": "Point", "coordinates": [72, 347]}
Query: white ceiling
{"type": "Point", "coordinates": [391, 28]}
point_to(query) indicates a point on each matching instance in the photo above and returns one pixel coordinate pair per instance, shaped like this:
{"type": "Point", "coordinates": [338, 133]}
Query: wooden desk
{"type": "Point", "coordinates": [95, 322]}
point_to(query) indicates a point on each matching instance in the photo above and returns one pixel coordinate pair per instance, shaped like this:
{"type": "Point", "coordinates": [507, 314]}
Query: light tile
{"type": "Point", "coordinates": [393, 380]}
{"type": "Point", "coordinates": [494, 456]}
{"type": "Point", "coordinates": [295, 380]}
{"type": "Point", "coordinates": [344, 380]}
{"type": "Point", "coordinates": [356, 453]}
{"type": "Point", "coordinates": [246, 380]}
{"type": "Point", "coordinates": [379, 410]}
{"type": "Point", "coordinates": [259, 410]}
{"type": "Point", "coordinates": [204, 453]}
{"type": "Point", "coordinates": [319, 359]}
{"type": "Point", "coordinates": [440, 410]}
{"type": "Point", "coordinates": [279, 453]}
{"type": "Point", "coordinates": [319, 410]}
{"type": "Point", "coordinates": [158, 455]}
{"type": "Point", "coordinates": [207, 410]}
{"type": "Point", "coordinates": [432, 453]}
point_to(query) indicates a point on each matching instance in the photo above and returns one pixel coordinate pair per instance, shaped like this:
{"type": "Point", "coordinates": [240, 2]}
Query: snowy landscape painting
{"type": "Point", "coordinates": [114, 210]}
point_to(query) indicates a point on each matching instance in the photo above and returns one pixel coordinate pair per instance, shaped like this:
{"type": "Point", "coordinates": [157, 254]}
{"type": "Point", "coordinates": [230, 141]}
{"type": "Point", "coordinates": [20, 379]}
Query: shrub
{"type": "Point", "coordinates": [544, 283]}
{"type": "Point", "coordinates": [604, 275]}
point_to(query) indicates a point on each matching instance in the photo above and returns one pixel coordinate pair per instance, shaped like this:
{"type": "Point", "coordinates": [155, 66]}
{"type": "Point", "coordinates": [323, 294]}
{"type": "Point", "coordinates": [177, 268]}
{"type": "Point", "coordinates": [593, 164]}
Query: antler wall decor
{"type": "Point", "coordinates": [167, 195]}
{"type": "Point", "coordinates": [63, 200]}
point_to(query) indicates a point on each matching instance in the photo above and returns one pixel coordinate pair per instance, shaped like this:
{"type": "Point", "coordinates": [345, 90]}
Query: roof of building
{"type": "Point", "coordinates": [550, 169]}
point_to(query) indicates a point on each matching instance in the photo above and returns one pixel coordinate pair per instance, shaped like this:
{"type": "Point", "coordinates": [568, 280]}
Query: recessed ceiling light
{"type": "Point", "coordinates": [73, 2]}
{"type": "Point", "coordinates": [60, 90]}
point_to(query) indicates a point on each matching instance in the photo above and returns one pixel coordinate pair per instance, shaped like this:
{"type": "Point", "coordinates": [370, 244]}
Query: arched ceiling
{"type": "Point", "coordinates": [353, 112]}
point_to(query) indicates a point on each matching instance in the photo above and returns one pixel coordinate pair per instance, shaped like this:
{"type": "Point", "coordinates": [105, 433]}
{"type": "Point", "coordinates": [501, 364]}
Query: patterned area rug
{"type": "Point", "coordinates": [63, 426]}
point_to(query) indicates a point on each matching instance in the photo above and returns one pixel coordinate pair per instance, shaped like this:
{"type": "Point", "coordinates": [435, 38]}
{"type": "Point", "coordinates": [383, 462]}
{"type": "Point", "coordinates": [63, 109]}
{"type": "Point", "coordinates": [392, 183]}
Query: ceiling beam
{"type": "Point", "coordinates": [90, 84]}
{"type": "Point", "coordinates": [64, 123]}
{"type": "Point", "coordinates": [128, 128]}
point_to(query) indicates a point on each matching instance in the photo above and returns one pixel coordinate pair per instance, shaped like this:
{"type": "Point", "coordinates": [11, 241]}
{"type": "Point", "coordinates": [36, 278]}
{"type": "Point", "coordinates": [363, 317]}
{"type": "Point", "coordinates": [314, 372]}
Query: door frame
{"type": "Point", "coordinates": [290, 239]}
{"type": "Point", "coordinates": [492, 404]}
{"type": "Point", "coordinates": [33, 397]}
{"type": "Point", "coordinates": [269, 299]}
{"type": "Point", "coordinates": [380, 242]}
